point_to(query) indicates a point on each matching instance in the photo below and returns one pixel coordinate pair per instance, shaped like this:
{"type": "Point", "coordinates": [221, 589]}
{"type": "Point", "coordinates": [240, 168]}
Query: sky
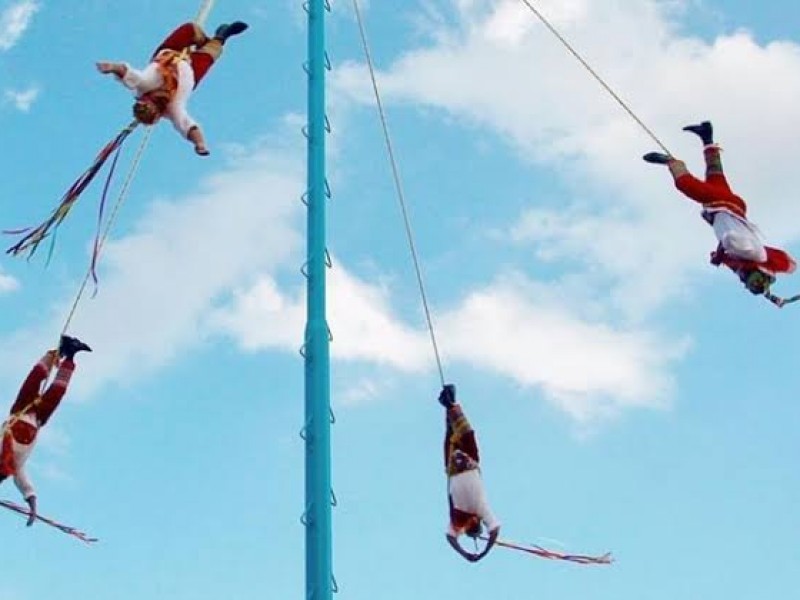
{"type": "Point", "coordinates": [628, 396]}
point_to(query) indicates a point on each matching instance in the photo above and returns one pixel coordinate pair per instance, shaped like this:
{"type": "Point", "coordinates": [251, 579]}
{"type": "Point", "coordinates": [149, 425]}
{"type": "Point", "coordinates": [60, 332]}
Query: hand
{"type": "Point", "coordinates": [51, 358]}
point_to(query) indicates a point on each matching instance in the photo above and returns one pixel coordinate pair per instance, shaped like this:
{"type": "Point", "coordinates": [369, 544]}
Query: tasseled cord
{"type": "Point", "coordinates": [64, 528]}
{"type": "Point", "coordinates": [582, 559]}
{"type": "Point", "coordinates": [33, 236]}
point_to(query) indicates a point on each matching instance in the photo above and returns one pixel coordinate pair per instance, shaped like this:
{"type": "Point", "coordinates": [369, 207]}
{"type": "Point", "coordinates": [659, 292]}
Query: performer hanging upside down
{"type": "Point", "coordinates": [31, 411]}
{"type": "Point", "coordinates": [740, 247]}
{"type": "Point", "coordinates": [469, 508]}
{"type": "Point", "coordinates": [163, 88]}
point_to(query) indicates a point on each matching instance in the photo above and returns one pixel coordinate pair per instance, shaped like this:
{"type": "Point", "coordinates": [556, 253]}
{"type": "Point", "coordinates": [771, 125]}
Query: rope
{"type": "Point", "coordinates": [594, 74]}
{"type": "Point", "coordinates": [33, 236]}
{"type": "Point", "coordinates": [399, 190]}
{"type": "Point", "coordinates": [203, 12]}
{"type": "Point", "coordinates": [109, 223]}
{"type": "Point", "coordinates": [64, 528]}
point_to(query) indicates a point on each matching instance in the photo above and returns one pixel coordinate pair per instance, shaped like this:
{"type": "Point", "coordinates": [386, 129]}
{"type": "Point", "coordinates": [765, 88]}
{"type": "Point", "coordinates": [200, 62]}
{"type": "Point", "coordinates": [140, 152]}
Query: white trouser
{"type": "Point", "coordinates": [738, 238]}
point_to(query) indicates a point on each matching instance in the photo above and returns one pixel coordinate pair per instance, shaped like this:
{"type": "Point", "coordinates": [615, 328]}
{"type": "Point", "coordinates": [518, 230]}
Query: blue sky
{"type": "Point", "coordinates": [627, 395]}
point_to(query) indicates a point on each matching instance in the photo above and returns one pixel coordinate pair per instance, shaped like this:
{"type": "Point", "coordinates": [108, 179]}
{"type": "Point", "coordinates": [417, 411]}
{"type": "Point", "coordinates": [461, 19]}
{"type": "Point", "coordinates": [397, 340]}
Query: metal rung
{"type": "Point", "coordinates": [328, 260]}
{"type": "Point", "coordinates": [330, 333]}
{"type": "Point", "coordinates": [302, 350]}
{"type": "Point", "coordinates": [333, 417]}
{"type": "Point", "coordinates": [304, 131]}
{"type": "Point", "coordinates": [307, 6]}
{"type": "Point", "coordinates": [304, 519]}
{"type": "Point", "coordinates": [327, 124]}
{"type": "Point", "coordinates": [334, 584]}
{"type": "Point", "coordinates": [307, 68]}
{"type": "Point", "coordinates": [304, 270]}
{"type": "Point", "coordinates": [303, 435]}
{"type": "Point", "coordinates": [334, 501]}
{"type": "Point", "coordinates": [327, 61]}
{"type": "Point", "coordinates": [328, 193]}
{"type": "Point", "coordinates": [304, 198]}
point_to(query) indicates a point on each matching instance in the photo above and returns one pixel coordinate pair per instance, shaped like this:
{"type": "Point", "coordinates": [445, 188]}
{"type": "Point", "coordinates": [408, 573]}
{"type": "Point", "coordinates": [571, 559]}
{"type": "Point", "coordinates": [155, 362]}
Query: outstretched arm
{"type": "Point", "coordinates": [493, 534]}
{"type": "Point", "coordinates": [453, 540]}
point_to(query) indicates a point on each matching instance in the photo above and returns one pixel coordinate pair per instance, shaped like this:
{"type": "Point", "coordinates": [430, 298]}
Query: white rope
{"type": "Point", "coordinates": [594, 74]}
{"type": "Point", "coordinates": [399, 188]}
{"type": "Point", "coordinates": [123, 194]}
{"type": "Point", "coordinates": [203, 12]}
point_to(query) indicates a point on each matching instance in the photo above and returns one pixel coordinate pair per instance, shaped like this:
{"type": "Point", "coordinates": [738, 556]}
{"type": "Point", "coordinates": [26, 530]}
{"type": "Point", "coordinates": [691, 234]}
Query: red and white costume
{"type": "Point", "coordinates": [30, 412]}
{"type": "Point", "coordinates": [175, 71]}
{"type": "Point", "coordinates": [467, 495]}
{"type": "Point", "coordinates": [727, 214]}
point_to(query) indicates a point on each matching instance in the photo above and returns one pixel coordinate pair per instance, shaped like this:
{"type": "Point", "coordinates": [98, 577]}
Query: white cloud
{"type": "Point", "coordinates": [500, 70]}
{"type": "Point", "coordinates": [360, 319]}
{"type": "Point", "coordinates": [159, 283]}
{"type": "Point", "coordinates": [8, 283]}
{"type": "Point", "coordinates": [362, 391]}
{"type": "Point", "coordinates": [22, 100]}
{"type": "Point", "coordinates": [514, 328]}
{"type": "Point", "coordinates": [15, 20]}
{"type": "Point", "coordinates": [589, 369]}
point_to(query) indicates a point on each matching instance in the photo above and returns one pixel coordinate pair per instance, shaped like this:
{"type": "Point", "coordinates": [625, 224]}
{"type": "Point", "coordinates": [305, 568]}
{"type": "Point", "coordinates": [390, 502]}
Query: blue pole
{"type": "Point", "coordinates": [319, 581]}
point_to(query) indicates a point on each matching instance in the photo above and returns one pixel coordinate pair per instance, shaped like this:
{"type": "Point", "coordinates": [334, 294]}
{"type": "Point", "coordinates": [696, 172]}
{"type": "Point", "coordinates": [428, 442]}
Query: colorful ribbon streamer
{"type": "Point", "coordinates": [64, 528]}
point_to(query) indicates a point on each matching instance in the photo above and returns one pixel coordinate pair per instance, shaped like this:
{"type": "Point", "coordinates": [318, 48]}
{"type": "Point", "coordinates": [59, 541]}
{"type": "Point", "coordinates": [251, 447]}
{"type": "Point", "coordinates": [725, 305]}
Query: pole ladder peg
{"type": "Point", "coordinates": [330, 333]}
{"type": "Point", "coordinates": [306, 68]}
{"type": "Point", "coordinates": [328, 66]}
{"type": "Point", "coordinates": [304, 269]}
{"type": "Point", "coordinates": [334, 584]}
{"type": "Point", "coordinates": [328, 259]}
{"type": "Point", "coordinates": [305, 132]}
{"type": "Point", "coordinates": [327, 5]}
{"type": "Point", "coordinates": [333, 417]}
{"type": "Point", "coordinates": [334, 501]}
{"type": "Point", "coordinates": [328, 193]}
{"type": "Point", "coordinates": [302, 350]}
{"type": "Point", "coordinates": [307, 7]}
{"type": "Point", "coordinates": [327, 124]}
{"type": "Point", "coordinates": [304, 198]}
{"type": "Point", "coordinates": [304, 519]}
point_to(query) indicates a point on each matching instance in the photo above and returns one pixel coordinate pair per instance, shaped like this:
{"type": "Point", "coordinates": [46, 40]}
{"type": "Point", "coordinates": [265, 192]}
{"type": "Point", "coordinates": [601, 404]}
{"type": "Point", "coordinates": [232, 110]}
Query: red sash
{"type": "Point", "coordinates": [777, 261]}
{"type": "Point", "coordinates": [20, 431]}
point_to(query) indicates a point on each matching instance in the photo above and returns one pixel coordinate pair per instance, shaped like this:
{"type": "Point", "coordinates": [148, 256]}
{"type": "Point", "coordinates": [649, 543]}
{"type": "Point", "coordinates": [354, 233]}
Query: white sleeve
{"type": "Point", "coordinates": [143, 81]}
{"type": "Point", "coordinates": [23, 483]}
{"type": "Point", "coordinates": [177, 112]}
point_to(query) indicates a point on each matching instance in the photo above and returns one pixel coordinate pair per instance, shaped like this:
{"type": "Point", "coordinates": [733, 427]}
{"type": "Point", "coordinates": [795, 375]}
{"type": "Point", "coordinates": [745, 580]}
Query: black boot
{"type": "Point", "coordinates": [704, 130]}
{"type": "Point", "coordinates": [447, 397]}
{"type": "Point", "coordinates": [70, 346]}
{"type": "Point", "coordinates": [226, 30]}
{"type": "Point", "coordinates": [657, 158]}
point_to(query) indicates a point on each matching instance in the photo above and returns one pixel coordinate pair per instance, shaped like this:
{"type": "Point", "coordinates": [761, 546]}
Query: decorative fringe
{"type": "Point", "coordinates": [33, 236]}
{"type": "Point", "coordinates": [582, 559]}
{"type": "Point", "coordinates": [68, 530]}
